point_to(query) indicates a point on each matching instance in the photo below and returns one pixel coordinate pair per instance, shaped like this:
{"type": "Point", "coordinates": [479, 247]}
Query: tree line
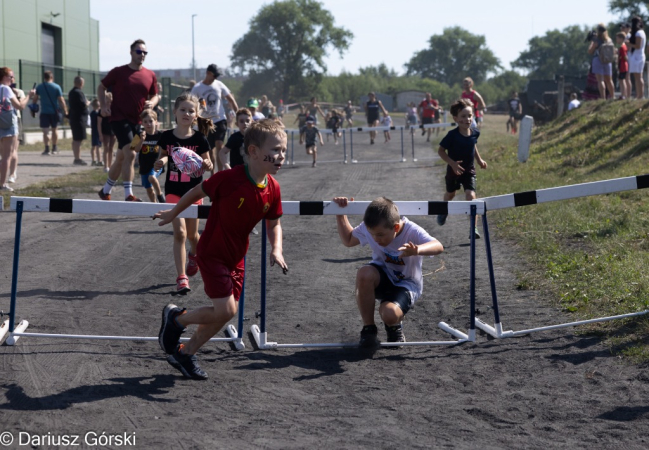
{"type": "Point", "coordinates": [283, 53]}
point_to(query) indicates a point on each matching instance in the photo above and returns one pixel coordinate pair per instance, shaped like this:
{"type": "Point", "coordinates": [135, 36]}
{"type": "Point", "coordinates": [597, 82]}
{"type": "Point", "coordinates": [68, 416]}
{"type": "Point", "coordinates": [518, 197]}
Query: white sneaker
{"type": "Point", "coordinates": [6, 188]}
{"type": "Point", "coordinates": [12, 179]}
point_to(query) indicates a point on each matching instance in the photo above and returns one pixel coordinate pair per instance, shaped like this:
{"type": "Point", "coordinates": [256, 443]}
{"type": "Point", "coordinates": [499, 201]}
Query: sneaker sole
{"type": "Point", "coordinates": [183, 291]}
{"type": "Point", "coordinates": [176, 365]}
{"type": "Point", "coordinates": [163, 327]}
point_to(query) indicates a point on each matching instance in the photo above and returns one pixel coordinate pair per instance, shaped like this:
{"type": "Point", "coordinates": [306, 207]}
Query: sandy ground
{"type": "Point", "coordinates": [108, 275]}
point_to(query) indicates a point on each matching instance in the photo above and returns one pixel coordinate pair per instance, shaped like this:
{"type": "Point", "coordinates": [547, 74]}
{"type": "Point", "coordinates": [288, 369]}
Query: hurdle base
{"type": "Point", "coordinates": [3, 329]}
{"type": "Point", "coordinates": [22, 326]}
{"type": "Point", "coordinates": [455, 332]}
{"type": "Point", "coordinates": [354, 161]}
{"type": "Point", "coordinates": [260, 338]}
{"type": "Point", "coordinates": [236, 340]}
{"type": "Point", "coordinates": [496, 331]}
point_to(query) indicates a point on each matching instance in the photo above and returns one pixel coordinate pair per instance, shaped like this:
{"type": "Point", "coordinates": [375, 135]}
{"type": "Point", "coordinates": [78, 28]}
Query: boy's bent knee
{"type": "Point", "coordinates": [391, 313]}
{"type": "Point", "coordinates": [368, 274]}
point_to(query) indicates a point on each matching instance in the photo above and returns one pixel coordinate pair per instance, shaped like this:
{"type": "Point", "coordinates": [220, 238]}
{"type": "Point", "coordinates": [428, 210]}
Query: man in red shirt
{"type": "Point", "coordinates": [426, 111]}
{"type": "Point", "coordinates": [134, 89]}
{"type": "Point", "coordinates": [241, 197]}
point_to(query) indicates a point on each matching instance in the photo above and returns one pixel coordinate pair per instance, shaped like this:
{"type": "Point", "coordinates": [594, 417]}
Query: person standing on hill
{"type": "Point", "coordinates": [475, 98]}
{"type": "Point", "coordinates": [214, 92]}
{"type": "Point", "coordinates": [52, 101]}
{"type": "Point", "coordinates": [134, 89]}
{"type": "Point", "coordinates": [623, 66]}
{"type": "Point", "coordinates": [637, 43]}
{"type": "Point", "coordinates": [602, 67]}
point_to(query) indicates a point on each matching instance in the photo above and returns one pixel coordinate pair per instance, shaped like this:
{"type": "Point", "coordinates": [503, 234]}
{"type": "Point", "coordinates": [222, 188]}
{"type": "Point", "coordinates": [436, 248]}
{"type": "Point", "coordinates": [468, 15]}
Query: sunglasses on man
{"type": "Point", "coordinates": [141, 52]}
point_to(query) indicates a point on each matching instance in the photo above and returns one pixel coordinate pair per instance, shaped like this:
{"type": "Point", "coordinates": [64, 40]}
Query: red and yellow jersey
{"type": "Point", "coordinates": [238, 204]}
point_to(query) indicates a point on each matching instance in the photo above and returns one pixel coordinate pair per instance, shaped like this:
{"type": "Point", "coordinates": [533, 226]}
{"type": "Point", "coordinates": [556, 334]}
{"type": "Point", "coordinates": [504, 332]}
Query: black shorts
{"type": "Point", "coordinates": [466, 180]}
{"type": "Point", "coordinates": [78, 128]}
{"type": "Point", "coordinates": [48, 120]}
{"type": "Point", "coordinates": [622, 75]}
{"type": "Point", "coordinates": [426, 120]}
{"type": "Point", "coordinates": [388, 292]}
{"type": "Point", "coordinates": [220, 129]}
{"type": "Point", "coordinates": [124, 131]}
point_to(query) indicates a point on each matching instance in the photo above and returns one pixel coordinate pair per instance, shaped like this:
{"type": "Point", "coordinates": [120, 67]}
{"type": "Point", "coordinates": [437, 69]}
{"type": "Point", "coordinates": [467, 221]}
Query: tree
{"type": "Point", "coordinates": [286, 45]}
{"type": "Point", "coordinates": [628, 8]}
{"type": "Point", "coordinates": [452, 56]}
{"type": "Point", "coordinates": [557, 53]}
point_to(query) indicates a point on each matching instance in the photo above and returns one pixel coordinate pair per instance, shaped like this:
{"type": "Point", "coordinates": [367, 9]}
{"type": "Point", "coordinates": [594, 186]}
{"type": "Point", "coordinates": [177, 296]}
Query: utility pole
{"type": "Point", "coordinates": [193, 58]}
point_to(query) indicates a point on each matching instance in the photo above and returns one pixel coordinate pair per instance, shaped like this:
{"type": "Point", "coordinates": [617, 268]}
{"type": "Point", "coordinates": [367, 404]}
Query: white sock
{"type": "Point", "coordinates": [128, 188]}
{"type": "Point", "coordinates": [109, 186]}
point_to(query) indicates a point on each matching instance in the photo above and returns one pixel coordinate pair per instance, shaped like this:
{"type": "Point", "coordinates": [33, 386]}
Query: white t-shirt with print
{"type": "Point", "coordinates": [405, 272]}
{"type": "Point", "coordinates": [213, 94]}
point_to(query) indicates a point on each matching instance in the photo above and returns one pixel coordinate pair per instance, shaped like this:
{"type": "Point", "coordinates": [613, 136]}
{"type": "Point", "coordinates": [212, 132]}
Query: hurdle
{"type": "Point", "coordinates": [291, 161]}
{"type": "Point", "coordinates": [40, 204]}
{"type": "Point", "coordinates": [410, 208]}
{"type": "Point", "coordinates": [544, 196]}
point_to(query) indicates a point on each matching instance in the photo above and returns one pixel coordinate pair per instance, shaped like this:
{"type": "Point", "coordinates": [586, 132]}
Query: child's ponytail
{"type": "Point", "coordinates": [205, 125]}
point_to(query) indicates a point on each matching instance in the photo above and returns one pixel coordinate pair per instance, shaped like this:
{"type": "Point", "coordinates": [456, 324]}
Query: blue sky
{"type": "Point", "coordinates": [384, 31]}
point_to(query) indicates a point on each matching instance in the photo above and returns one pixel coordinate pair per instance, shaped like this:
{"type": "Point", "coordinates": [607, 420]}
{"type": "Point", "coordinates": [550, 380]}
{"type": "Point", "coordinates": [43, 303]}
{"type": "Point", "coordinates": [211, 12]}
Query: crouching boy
{"type": "Point", "coordinates": [393, 277]}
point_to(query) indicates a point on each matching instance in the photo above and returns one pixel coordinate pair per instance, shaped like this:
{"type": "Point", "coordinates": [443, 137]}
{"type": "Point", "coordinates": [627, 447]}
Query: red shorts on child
{"type": "Point", "coordinates": [172, 198]}
{"type": "Point", "coordinates": [219, 281]}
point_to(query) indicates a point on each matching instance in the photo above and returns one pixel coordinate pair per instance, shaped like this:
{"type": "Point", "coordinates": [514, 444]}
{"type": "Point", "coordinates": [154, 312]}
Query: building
{"type": "Point", "coordinates": [51, 32]}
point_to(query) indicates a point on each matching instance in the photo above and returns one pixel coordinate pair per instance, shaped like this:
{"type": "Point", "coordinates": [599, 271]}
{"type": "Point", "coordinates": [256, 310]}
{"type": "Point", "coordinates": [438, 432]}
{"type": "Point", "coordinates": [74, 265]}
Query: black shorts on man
{"type": "Point", "coordinates": [124, 131]}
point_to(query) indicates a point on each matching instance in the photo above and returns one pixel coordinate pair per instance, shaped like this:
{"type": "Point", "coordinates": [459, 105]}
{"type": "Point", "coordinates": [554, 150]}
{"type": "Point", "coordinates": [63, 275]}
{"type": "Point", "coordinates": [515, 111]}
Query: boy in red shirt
{"type": "Point", "coordinates": [623, 66]}
{"type": "Point", "coordinates": [241, 197]}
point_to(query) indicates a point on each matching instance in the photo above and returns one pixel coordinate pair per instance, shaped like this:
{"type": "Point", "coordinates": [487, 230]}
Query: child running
{"type": "Point", "coordinates": [308, 134]}
{"type": "Point", "coordinates": [178, 184]}
{"type": "Point", "coordinates": [386, 122]}
{"type": "Point", "coordinates": [95, 153]}
{"type": "Point", "coordinates": [149, 151]}
{"type": "Point", "coordinates": [394, 275]}
{"type": "Point", "coordinates": [241, 197]}
{"type": "Point", "coordinates": [235, 142]}
{"type": "Point", "coordinates": [458, 149]}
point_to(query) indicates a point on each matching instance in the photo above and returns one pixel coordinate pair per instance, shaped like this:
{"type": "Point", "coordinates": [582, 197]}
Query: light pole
{"type": "Point", "coordinates": [193, 59]}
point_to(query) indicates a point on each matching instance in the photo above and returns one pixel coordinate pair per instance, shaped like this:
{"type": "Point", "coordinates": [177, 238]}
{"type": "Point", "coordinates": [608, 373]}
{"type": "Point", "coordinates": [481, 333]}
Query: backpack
{"type": "Point", "coordinates": [607, 52]}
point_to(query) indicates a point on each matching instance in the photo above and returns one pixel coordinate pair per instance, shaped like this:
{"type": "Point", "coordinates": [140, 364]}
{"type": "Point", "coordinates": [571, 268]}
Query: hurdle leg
{"type": "Point", "coordinates": [412, 140]}
{"type": "Point", "coordinates": [497, 330]}
{"type": "Point", "coordinates": [472, 274]}
{"type": "Point", "coordinates": [259, 332]}
{"type": "Point", "coordinates": [232, 331]}
{"type": "Point", "coordinates": [351, 146]}
{"type": "Point", "coordinates": [344, 147]}
{"type": "Point", "coordinates": [11, 340]}
{"type": "Point", "coordinates": [292, 149]}
{"type": "Point", "coordinates": [403, 156]}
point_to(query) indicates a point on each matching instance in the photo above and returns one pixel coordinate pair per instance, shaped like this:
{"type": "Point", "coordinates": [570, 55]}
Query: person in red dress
{"type": "Point", "coordinates": [241, 197]}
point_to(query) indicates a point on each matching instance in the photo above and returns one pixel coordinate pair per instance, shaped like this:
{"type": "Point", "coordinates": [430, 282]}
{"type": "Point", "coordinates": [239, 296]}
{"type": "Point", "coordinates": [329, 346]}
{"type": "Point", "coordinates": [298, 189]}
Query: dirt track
{"type": "Point", "coordinates": [105, 275]}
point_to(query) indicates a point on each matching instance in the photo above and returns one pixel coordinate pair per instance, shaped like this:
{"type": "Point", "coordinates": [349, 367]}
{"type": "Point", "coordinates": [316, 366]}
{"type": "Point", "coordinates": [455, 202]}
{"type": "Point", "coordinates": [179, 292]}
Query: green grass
{"type": "Point", "coordinates": [589, 254]}
{"type": "Point", "coordinates": [62, 187]}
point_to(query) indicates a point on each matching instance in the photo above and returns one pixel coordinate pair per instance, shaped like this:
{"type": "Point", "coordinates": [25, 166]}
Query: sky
{"type": "Point", "coordinates": [389, 32]}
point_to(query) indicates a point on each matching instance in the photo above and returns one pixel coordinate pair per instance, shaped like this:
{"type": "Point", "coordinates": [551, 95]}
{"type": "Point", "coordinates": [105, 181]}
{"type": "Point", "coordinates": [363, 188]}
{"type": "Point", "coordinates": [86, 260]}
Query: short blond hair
{"type": "Point", "coordinates": [259, 131]}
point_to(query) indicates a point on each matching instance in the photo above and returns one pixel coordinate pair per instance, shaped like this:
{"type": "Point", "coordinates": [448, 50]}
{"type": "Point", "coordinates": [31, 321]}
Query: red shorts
{"type": "Point", "coordinates": [219, 281]}
{"type": "Point", "coordinates": [172, 198]}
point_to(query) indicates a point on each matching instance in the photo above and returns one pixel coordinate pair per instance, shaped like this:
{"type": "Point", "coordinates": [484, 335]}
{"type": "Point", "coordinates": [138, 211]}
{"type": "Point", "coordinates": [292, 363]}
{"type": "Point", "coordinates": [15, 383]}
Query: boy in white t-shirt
{"type": "Point", "coordinates": [386, 122]}
{"type": "Point", "coordinates": [394, 275]}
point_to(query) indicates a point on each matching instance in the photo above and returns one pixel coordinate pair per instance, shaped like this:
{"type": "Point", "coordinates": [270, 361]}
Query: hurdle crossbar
{"type": "Point", "coordinates": [472, 208]}
{"type": "Point", "coordinates": [543, 196]}
{"type": "Point", "coordinates": [38, 204]}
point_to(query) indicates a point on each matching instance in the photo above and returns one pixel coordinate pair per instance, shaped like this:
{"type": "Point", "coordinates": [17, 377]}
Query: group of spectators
{"type": "Point", "coordinates": [631, 41]}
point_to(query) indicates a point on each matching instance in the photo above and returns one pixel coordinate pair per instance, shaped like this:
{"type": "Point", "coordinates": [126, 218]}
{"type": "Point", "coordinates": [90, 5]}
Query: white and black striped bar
{"type": "Point", "coordinates": [292, 208]}
{"type": "Point", "coordinates": [566, 192]}
{"type": "Point", "coordinates": [428, 125]}
{"type": "Point", "coordinates": [321, 130]}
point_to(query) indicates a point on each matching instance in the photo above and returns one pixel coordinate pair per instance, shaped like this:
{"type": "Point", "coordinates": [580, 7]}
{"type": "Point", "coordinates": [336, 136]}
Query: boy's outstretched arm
{"type": "Point", "coordinates": [344, 227]}
{"type": "Point", "coordinates": [185, 202]}
{"type": "Point", "coordinates": [481, 162]}
{"type": "Point", "coordinates": [274, 229]}
{"type": "Point", "coordinates": [430, 248]}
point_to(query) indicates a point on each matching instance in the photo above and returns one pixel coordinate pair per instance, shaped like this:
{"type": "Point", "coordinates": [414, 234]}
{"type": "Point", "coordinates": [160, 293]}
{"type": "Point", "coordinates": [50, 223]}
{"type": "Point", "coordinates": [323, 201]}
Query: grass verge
{"type": "Point", "coordinates": [590, 253]}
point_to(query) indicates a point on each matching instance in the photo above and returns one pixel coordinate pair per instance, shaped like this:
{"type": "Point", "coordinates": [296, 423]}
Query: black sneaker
{"type": "Point", "coordinates": [187, 364]}
{"type": "Point", "coordinates": [441, 219]}
{"type": "Point", "coordinates": [161, 198]}
{"type": "Point", "coordinates": [55, 150]}
{"type": "Point", "coordinates": [169, 335]}
{"type": "Point", "coordinates": [46, 152]}
{"type": "Point", "coordinates": [395, 333]}
{"type": "Point", "coordinates": [78, 162]}
{"type": "Point", "coordinates": [369, 337]}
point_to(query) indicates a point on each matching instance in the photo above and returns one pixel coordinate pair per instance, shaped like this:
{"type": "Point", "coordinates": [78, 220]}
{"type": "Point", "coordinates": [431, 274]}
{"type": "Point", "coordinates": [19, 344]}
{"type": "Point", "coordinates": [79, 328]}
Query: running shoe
{"type": "Point", "coordinates": [170, 332]}
{"type": "Point", "coordinates": [254, 231]}
{"type": "Point", "coordinates": [6, 188]}
{"type": "Point", "coordinates": [192, 265]}
{"type": "Point", "coordinates": [441, 219]}
{"type": "Point", "coordinates": [12, 179]}
{"type": "Point", "coordinates": [423, 131]}
{"type": "Point", "coordinates": [395, 334]}
{"type": "Point", "coordinates": [187, 364]}
{"type": "Point", "coordinates": [79, 162]}
{"type": "Point", "coordinates": [46, 152]}
{"type": "Point", "coordinates": [369, 338]}
{"type": "Point", "coordinates": [132, 198]}
{"type": "Point", "coordinates": [55, 151]}
{"type": "Point", "coordinates": [182, 285]}
{"type": "Point", "coordinates": [103, 195]}
{"type": "Point", "coordinates": [161, 198]}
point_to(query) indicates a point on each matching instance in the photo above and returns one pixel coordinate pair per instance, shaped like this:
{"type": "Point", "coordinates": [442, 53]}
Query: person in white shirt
{"type": "Point", "coordinates": [211, 93]}
{"type": "Point", "coordinates": [636, 46]}
{"type": "Point", "coordinates": [574, 103]}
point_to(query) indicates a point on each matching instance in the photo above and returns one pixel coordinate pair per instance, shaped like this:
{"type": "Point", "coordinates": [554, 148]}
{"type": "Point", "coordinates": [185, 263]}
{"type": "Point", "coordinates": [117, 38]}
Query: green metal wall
{"type": "Point", "coordinates": [20, 31]}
